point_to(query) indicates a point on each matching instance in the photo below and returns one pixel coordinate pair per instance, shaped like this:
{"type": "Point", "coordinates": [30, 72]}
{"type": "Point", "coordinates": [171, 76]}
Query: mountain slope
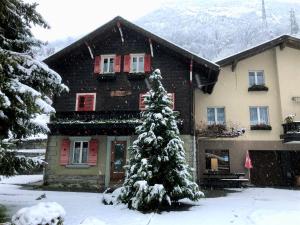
{"type": "Point", "coordinates": [215, 29]}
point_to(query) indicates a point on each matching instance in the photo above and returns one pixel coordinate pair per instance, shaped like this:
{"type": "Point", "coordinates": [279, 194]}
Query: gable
{"type": "Point", "coordinates": [116, 28]}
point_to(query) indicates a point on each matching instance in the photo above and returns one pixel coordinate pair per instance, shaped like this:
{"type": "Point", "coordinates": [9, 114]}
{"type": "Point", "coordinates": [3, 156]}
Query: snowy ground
{"type": "Point", "coordinates": [253, 206]}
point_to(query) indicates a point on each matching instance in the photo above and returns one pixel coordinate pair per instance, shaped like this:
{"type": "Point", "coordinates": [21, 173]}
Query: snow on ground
{"type": "Point", "coordinates": [252, 206]}
{"type": "Point", "coordinates": [21, 179]}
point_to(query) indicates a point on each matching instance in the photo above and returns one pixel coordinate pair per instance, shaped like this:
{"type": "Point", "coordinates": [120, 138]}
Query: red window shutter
{"type": "Point", "coordinates": [172, 97]}
{"type": "Point", "coordinates": [80, 102]}
{"type": "Point", "coordinates": [89, 103]}
{"type": "Point", "coordinates": [64, 152]}
{"type": "Point", "coordinates": [147, 63]}
{"type": "Point", "coordinates": [93, 152]}
{"type": "Point", "coordinates": [127, 63]}
{"type": "Point", "coordinates": [117, 64]}
{"type": "Point", "coordinates": [97, 64]}
{"type": "Point", "coordinates": [142, 102]}
{"type": "Point", "coordinates": [85, 102]}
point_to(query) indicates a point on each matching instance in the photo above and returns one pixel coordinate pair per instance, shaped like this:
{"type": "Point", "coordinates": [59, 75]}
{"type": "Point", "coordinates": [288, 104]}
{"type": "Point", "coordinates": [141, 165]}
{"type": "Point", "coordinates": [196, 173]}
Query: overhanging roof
{"type": "Point", "coordinates": [282, 41]}
{"type": "Point", "coordinates": [155, 38]}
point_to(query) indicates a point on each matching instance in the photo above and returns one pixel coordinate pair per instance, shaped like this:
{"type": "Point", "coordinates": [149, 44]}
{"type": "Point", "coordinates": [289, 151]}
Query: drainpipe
{"type": "Point", "coordinates": [194, 151]}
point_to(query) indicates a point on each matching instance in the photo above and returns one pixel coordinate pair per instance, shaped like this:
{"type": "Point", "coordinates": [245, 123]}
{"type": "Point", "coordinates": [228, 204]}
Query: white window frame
{"type": "Point", "coordinates": [216, 116]}
{"type": "Point", "coordinates": [111, 56]}
{"type": "Point", "coordinates": [80, 94]}
{"type": "Point", "coordinates": [255, 77]}
{"type": "Point", "coordinates": [131, 62]}
{"type": "Point", "coordinates": [258, 115]}
{"type": "Point", "coordinates": [80, 155]}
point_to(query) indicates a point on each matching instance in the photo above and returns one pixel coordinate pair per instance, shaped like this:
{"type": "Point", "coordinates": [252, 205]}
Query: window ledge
{"type": "Point", "coordinates": [261, 127]}
{"type": "Point", "coordinates": [136, 76]}
{"type": "Point", "coordinates": [258, 88]}
{"type": "Point", "coordinates": [106, 76]}
{"type": "Point", "coordinates": [78, 166]}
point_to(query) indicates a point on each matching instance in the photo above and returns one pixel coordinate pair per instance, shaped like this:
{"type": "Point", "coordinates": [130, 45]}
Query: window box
{"type": "Point", "coordinates": [261, 127]}
{"type": "Point", "coordinates": [261, 87]}
{"type": "Point", "coordinates": [136, 76]}
{"type": "Point", "coordinates": [78, 166]}
{"type": "Point", "coordinates": [106, 77]}
{"type": "Point", "coordinates": [217, 128]}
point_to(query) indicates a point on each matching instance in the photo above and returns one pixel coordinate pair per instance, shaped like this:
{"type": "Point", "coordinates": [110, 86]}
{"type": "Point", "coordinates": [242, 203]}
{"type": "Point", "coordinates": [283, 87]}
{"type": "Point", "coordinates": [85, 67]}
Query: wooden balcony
{"type": "Point", "coordinates": [96, 123]}
{"type": "Point", "coordinates": [291, 132]}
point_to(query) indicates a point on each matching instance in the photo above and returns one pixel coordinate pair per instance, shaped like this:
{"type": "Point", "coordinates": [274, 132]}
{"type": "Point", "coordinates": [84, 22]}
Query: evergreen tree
{"type": "Point", "coordinates": [26, 84]}
{"type": "Point", "coordinates": [157, 173]}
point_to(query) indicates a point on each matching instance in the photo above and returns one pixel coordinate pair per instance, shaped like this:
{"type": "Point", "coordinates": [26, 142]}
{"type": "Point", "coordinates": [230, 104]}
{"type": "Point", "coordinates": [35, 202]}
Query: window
{"type": "Point", "coordinates": [259, 115]}
{"type": "Point", "coordinates": [107, 63]}
{"type": "Point", "coordinates": [137, 63]}
{"type": "Point", "coordinates": [217, 161]}
{"type": "Point", "coordinates": [142, 103]}
{"type": "Point", "coordinates": [80, 152]}
{"type": "Point", "coordinates": [216, 115]}
{"type": "Point", "coordinates": [85, 101]}
{"type": "Point", "coordinates": [256, 78]}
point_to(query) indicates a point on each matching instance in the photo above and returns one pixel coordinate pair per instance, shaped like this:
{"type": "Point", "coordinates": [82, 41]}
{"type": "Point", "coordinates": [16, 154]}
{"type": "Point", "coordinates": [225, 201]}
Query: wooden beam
{"type": "Point", "coordinates": [282, 45]}
{"type": "Point", "coordinates": [233, 65]}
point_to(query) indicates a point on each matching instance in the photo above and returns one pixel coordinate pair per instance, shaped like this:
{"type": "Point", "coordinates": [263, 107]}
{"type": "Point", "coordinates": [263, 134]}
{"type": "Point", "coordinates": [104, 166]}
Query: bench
{"type": "Point", "coordinates": [225, 180]}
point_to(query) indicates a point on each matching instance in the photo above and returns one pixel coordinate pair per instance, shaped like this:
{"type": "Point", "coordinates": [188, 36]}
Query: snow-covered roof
{"type": "Point", "coordinates": [283, 40]}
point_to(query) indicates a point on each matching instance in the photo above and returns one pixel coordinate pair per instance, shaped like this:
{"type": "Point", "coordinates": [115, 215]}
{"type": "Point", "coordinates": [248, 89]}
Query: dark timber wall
{"type": "Point", "coordinates": [77, 72]}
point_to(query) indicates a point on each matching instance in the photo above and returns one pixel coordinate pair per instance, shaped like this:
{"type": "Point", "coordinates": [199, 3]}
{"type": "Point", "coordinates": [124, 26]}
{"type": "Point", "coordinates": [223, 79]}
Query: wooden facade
{"type": "Point", "coordinates": [104, 101]}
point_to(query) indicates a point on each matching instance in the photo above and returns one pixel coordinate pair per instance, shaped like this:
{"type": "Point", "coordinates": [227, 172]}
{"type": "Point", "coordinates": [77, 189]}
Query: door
{"type": "Point", "coordinates": [118, 159]}
{"type": "Point", "coordinates": [267, 169]}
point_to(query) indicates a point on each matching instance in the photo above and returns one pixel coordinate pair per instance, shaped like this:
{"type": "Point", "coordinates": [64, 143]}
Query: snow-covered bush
{"type": "Point", "coordinates": [11, 164]}
{"type": "Point", "coordinates": [92, 221]}
{"type": "Point", "coordinates": [44, 213]}
{"type": "Point", "coordinates": [111, 198]}
{"type": "Point", "coordinates": [157, 174]}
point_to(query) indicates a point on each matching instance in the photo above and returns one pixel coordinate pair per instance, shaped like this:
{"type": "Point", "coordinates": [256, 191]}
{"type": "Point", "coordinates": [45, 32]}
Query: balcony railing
{"type": "Point", "coordinates": [291, 132]}
{"type": "Point", "coordinates": [94, 116]}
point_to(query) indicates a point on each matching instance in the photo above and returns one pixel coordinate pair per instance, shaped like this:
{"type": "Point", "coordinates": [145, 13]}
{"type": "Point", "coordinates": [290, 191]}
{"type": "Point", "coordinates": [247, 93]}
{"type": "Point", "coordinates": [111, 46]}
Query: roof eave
{"type": "Point", "coordinates": [256, 50]}
{"type": "Point", "coordinates": [156, 38]}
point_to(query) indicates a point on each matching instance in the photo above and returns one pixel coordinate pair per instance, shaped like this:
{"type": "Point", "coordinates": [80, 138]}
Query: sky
{"type": "Point", "coordinates": [77, 17]}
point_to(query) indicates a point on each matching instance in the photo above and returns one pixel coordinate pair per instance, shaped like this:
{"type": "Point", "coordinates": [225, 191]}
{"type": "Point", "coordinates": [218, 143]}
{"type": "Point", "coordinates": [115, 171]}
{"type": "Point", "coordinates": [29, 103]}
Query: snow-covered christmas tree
{"type": "Point", "coordinates": [157, 174]}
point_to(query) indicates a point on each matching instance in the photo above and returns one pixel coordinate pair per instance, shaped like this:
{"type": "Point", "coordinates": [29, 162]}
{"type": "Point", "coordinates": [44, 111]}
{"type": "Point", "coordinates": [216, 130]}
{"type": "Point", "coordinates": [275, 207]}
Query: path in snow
{"type": "Point", "coordinates": [253, 206]}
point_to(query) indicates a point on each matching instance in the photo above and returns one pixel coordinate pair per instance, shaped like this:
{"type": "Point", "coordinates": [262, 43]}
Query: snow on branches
{"type": "Point", "coordinates": [157, 174]}
{"type": "Point", "coordinates": [26, 84]}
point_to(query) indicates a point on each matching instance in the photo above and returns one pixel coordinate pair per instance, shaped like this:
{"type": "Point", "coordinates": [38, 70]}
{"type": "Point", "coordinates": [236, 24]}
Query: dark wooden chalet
{"type": "Point", "coordinates": [107, 73]}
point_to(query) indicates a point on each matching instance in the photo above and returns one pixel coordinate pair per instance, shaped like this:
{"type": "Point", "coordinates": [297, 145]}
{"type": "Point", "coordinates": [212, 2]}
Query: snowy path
{"type": "Point", "coordinates": [255, 206]}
